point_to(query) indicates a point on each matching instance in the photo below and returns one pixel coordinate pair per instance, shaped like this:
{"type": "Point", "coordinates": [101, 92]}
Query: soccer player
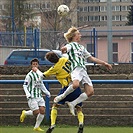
{"type": "Point", "coordinates": [77, 54]}
{"type": "Point", "coordinates": [61, 70]}
{"type": "Point", "coordinates": [33, 87]}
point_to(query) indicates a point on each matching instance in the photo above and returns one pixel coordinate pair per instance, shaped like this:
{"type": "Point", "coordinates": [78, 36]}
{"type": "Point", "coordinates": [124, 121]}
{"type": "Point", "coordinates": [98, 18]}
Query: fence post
{"type": "Point", "coordinates": [47, 104]}
{"type": "Point", "coordinates": [109, 26]}
{"type": "Point", "coordinates": [35, 41]}
{"type": "Point", "coordinates": [94, 40]}
{"type": "Point", "coordinates": [13, 22]}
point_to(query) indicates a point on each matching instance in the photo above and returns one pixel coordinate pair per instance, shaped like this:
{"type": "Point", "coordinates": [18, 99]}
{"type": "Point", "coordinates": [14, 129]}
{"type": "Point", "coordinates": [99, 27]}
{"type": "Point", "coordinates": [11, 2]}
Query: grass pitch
{"type": "Point", "coordinates": [66, 129]}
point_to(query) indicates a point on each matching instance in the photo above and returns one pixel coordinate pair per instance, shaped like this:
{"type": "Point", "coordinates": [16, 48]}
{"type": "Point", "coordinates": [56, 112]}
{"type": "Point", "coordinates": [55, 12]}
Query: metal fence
{"type": "Point", "coordinates": [94, 40]}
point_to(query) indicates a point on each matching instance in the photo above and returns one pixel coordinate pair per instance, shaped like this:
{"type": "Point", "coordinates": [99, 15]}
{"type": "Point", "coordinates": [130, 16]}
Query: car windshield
{"type": "Point", "coordinates": [28, 55]}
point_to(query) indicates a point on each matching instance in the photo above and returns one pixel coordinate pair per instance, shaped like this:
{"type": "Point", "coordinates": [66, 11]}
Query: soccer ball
{"type": "Point", "coordinates": [63, 10]}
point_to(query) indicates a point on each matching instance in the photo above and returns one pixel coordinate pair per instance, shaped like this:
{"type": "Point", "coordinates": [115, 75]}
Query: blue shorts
{"type": "Point", "coordinates": [72, 96]}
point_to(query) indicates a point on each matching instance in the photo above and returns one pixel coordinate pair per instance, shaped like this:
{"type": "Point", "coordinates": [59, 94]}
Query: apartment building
{"type": "Point", "coordinates": [94, 12]}
{"type": "Point", "coordinates": [83, 12]}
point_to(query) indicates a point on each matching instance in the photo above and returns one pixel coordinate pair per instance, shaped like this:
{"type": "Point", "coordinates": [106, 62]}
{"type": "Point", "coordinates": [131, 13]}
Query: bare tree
{"type": "Point", "coordinates": [53, 25]}
{"type": "Point", "coordinates": [22, 12]}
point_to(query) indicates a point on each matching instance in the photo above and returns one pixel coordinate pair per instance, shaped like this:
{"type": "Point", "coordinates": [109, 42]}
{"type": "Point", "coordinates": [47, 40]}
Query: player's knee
{"type": "Point", "coordinates": [36, 112]}
{"type": "Point", "coordinates": [90, 92]}
{"type": "Point", "coordinates": [75, 86]}
{"type": "Point", "coordinates": [42, 111]}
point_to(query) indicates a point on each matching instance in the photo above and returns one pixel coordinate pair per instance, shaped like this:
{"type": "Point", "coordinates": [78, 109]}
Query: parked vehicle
{"type": "Point", "coordinates": [24, 56]}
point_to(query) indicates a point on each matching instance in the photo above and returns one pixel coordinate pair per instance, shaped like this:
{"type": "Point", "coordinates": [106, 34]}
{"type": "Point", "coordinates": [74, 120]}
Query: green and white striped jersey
{"type": "Point", "coordinates": [33, 83]}
{"type": "Point", "coordinates": [77, 54]}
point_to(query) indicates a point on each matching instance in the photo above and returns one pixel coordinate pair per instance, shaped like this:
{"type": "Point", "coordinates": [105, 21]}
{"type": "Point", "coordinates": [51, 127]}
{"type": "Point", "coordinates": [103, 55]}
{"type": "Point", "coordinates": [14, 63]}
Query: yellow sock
{"type": "Point", "coordinates": [80, 117]}
{"type": "Point", "coordinates": [53, 115]}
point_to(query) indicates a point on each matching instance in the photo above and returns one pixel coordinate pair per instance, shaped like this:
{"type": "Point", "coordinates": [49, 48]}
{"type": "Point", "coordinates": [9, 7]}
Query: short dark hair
{"type": "Point", "coordinates": [34, 60]}
{"type": "Point", "coordinates": [52, 57]}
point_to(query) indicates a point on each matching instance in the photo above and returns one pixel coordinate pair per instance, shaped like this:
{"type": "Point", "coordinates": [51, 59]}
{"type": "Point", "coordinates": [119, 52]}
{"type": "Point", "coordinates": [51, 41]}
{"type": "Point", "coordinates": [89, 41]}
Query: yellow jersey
{"type": "Point", "coordinates": [61, 70]}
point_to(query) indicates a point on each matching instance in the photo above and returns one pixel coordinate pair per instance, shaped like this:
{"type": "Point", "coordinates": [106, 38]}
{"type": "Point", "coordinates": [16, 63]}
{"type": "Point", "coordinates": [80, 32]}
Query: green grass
{"type": "Point", "coordinates": [67, 129]}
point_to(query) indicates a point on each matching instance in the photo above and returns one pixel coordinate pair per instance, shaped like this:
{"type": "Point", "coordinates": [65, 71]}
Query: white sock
{"type": "Point", "coordinates": [80, 99]}
{"type": "Point", "coordinates": [68, 91]}
{"type": "Point", "coordinates": [39, 120]}
{"type": "Point", "coordinates": [29, 112]}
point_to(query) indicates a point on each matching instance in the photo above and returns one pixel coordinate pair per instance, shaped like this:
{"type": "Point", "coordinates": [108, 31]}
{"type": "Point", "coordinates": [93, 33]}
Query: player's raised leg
{"type": "Point", "coordinates": [62, 96]}
{"type": "Point", "coordinates": [24, 114]}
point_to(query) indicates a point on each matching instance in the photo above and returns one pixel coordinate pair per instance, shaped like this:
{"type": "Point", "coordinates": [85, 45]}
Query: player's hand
{"type": "Point", "coordinates": [49, 95]}
{"type": "Point", "coordinates": [108, 66]}
{"type": "Point", "coordinates": [28, 98]}
{"type": "Point", "coordinates": [34, 69]}
{"type": "Point", "coordinates": [63, 49]}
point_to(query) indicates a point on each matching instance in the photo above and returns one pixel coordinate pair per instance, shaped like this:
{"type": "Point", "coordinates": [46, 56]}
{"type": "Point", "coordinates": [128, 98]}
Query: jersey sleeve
{"type": "Point", "coordinates": [26, 84]}
{"type": "Point", "coordinates": [68, 46]}
{"type": "Point", "coordinates": [86, 53]}
{"type": "Point", "coordinates": [45, 91]}
{"type": "Point", "coordinates": [51, 71]}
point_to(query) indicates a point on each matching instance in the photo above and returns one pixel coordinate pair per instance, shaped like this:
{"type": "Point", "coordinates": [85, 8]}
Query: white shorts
{"type": "Point", "coordinates": [35, 103]}
{"type": "Point", "coordinates": [80, 74]}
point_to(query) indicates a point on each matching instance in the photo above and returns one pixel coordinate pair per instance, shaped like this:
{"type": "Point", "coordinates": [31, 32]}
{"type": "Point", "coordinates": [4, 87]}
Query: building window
{"type": "Point", "coordinates": [93, 18]}
{"type": "Point", "coordinates": [91, 8]}
{"type": "Point", "coordinates": [115, 52]}
{"type": "Point", "coordinates": [80, 9]}
{"type": "Point", "coordinates": [103, 18]}
{"type": "Point", "coordinates": [90, 18]}
{"type": "Point", "coordinates": [103, 8]}
{"type": "Point", "coordinates": [85, 0]}
{"type": "Point", "coordinates": [85, 18]}
{"type": "Point", "coordinates": [115, 0]}
{"type": "Point", "coordinates": [0, 7]}
{"type": "Point", "coordinates": [81, 19]}
{"type": "Point", "coordinates": [116, 18]}
{"type": "Point", "coordinates": [96, 8]}
{"type": "Point", "coordinates": [123, 8]}
{"type": "Point", "coordinates": [103, 0]}
{"type": "Point", "coordinates": [85, 9]}
{"type": "Point", "coordinates": [34, 6]}
{"type": "Point", "coordinates": [28, 6]}
{"type": "Point", "coordinates": [115, 8]}
{"type": "Point", "coordinates": [94, 1]}
{"type": "Point", "coordinates": [96, 18]}
{"type": "Point", "coordinates": [131, 51]}
{"type": "Point", "coordinates": [124, 18]}
{"type": "Point", "coordinates": [47, 5]}
{"type": "Point", "coordinates": [81, 1]}
{"type": "Point", "coordinates": [124, 0]}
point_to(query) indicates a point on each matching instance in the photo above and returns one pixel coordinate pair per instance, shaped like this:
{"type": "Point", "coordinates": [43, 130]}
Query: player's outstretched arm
{"type": "Point", "coordinates": [98, 61]}
{"type": "Point", "coordinates": [35, 69]}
